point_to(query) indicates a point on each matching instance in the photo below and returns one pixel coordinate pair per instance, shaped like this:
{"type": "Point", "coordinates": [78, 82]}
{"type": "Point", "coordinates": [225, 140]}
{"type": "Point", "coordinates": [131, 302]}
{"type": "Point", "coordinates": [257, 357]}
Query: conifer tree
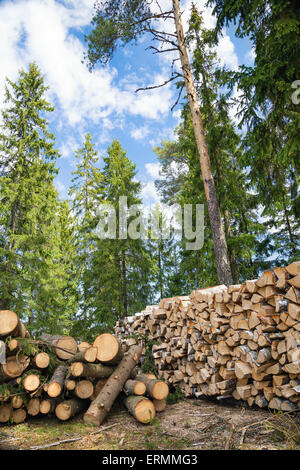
{"type": "Point", "coordinates": [84, 205]}
{"type": "Point", "coordinates": [31, 275]}
{"type": "Point", "coordinates": [121, 266]}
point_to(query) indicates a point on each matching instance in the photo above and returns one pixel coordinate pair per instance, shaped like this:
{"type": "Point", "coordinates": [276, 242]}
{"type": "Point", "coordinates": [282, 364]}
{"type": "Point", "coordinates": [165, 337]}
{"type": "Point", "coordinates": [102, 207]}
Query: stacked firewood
{"type": "Point", "coordinates": [55, 374]}
{"type": "Point", "coordinates": [240, 341]}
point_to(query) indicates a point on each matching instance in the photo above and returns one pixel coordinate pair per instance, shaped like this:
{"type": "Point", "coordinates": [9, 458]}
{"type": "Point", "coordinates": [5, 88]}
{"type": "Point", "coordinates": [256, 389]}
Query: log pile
{"type": "Point", "coordinates": [240, 341]}
{"type": "Point", "coordinates": [58, 375]}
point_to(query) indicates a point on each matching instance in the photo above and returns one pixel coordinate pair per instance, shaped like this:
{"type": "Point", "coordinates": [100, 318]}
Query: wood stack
{"type": "Point", "coordinates": [57, 375]}
{"type": "Point", "coordinates": [240, 341]}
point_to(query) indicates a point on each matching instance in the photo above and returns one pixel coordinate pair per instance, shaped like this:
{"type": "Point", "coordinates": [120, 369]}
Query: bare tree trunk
{"type": "Point", "coordinates": [220, 245]}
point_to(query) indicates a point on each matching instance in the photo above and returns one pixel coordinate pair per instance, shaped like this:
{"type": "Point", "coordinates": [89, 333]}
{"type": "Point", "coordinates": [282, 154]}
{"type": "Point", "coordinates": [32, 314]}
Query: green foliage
{"type": "Point", "coordinates": [174, 396]}
{"type": "Point", "coordinates": [267, 110]}
{"type": "Point", "coordinates": [116, 23]}
{"type": "Point", "coordinates": [33, 278]}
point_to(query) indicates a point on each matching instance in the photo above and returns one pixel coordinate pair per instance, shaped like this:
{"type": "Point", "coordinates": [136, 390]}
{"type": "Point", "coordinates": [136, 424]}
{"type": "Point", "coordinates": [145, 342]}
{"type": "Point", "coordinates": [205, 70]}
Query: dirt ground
{"type": "Point", "coordinates": [186, 425]}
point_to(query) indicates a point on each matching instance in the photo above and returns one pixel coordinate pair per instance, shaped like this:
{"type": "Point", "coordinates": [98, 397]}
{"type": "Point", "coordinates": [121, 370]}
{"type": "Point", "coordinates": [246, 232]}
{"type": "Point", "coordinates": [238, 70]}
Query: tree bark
{"type": "Point", "coordinates": [104, 401]}
{"type": "Point", "coordinates": [219, 240]}
{"type": "Point", "coordinates": [56, 384]}
{"type": "Point", "coordinates": [94, 371]}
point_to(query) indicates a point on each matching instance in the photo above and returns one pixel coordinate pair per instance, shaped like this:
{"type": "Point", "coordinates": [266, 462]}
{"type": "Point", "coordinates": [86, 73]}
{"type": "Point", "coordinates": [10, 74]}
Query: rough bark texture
{"type": "Point", "coordinates": [134, 387]}
{"type": "Point", "coordinates": [96, 371]}
{"type": "Point", "coordinates": [104, 401]}
{"type": "Point", "coordinates": [220, 245]}
{"type": "Point", "coordinates": [55, 386]}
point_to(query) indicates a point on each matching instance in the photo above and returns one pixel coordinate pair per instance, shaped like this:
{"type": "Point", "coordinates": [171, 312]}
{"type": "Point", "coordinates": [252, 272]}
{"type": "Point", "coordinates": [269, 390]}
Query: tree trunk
{"type": "Point", "coordinates": [219, 240]}
{"type": "Point", "coordinates": [104, 401]}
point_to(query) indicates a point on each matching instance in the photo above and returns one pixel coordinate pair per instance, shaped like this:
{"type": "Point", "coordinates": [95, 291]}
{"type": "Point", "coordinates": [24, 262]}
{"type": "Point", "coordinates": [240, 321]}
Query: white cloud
{"type": "Point", "coordinates": [149, 193]}
{"type": "Point", "coordinates": [153, 169]}
{"type": "Point", "coordinates": [39, 30]}
{"type": "Point", "coordinates": [140, 133]}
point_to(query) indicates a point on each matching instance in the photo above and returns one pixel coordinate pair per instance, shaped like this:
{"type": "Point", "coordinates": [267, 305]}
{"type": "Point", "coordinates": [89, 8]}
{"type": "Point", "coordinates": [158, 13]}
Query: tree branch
{"type": "Point", "coordinates": [161, 85]}
{"type": "Point", "coordinates": [178, 98]}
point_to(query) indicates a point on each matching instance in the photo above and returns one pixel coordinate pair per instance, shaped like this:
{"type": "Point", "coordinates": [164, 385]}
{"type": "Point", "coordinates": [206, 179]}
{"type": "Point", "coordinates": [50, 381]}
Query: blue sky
{"type": "Point", "coordinates": [104, 102]}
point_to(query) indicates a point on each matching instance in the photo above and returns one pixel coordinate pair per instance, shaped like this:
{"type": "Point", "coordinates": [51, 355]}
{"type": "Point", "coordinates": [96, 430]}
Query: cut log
{"type": "Point", "coordinates": [156, 388]}
{"type": "Point", "coordinates": [84, 389]}
{"type": "Point", "coordinates": [33, 407]}
{"type": "Point", "coordinates": [141, 408]}
{"type": "Point", "coordinates": [70, 384]}
{"type": "Point", "coordinates": [17, 401]}
{"type": "Point", "coordinates": [55, 385]}
{"type": "Point", "coordinates": [294, 268]}
{"type": "Point", "coordinates": [86, 355]}
{"type": "Point", "coordinates": [96, 371]}
{"type": "Point", "coordinates": [65, 346]}
{"type": "Point", "coordinates": [48, 406]}
{"type": "Point", "coordinates": [104, 401]}
{"type": "Point", "coordinates": [134, 387]}
{"type": "Point", "coordinates": [11, 325]}
{"type": "Point", "coordinates": [84, 345]}
{"type": "Point", "coordinates": [14, 367]}
{"type": "Point", "coordinates": [109, 350]}
{"type": "Point", "coordinates": [242, 370]}
{"type": "Point", "coordinates": [41, 360]}
{"type": "Point", "coordinates": [159, 405]}
{"type": "Point", "coordinates": [68, 408]}
{"type": "Point", "coordinates": [5, 413]}
{"type": "Point", "coordinates": [19, 415]}
{"type": "Point", "coordinates": [295, 281]}
{"type": "Point", "coordinates": [31, 382]}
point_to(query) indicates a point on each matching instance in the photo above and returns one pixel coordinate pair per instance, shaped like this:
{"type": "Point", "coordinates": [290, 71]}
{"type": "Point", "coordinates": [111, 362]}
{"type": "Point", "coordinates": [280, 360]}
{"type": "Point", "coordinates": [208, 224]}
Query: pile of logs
{"type": "Point", "coordinates": [240, 341]}
{"type": "Point", "coordinates": [57, 375]}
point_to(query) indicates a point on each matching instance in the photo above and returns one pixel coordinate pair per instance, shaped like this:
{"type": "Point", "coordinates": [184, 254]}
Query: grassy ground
{"type": "Point", "coordinates": [186, 425]}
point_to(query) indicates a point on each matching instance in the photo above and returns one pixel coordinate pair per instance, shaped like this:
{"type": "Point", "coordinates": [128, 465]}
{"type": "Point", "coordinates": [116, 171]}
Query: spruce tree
{"type": "Point", "coordinates": [30, 272]}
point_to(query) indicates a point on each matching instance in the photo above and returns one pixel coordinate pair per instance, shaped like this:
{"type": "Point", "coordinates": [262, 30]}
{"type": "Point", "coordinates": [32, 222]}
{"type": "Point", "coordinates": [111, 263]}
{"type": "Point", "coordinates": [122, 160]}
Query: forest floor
{"type": "Point", "coordinates": [186, 425]}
